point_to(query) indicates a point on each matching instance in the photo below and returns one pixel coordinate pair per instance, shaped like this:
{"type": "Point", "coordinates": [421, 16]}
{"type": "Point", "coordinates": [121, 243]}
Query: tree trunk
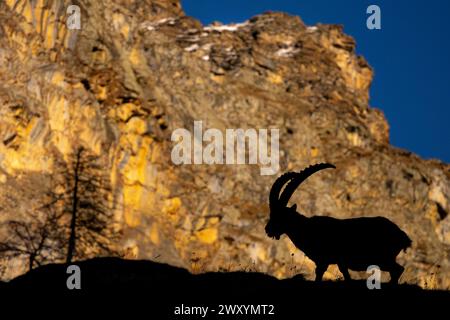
{"type": "Point", "coordinates": [73, 222]}
{"type": "Point", "coordinates": [31, 261]}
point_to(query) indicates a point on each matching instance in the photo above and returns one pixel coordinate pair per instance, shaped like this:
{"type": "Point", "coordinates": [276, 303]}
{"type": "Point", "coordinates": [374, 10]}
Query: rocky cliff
{"type": "Point", "coordinates": [137, 70]}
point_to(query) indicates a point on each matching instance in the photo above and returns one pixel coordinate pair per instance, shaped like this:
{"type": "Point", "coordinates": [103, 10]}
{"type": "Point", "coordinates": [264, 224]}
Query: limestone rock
{"type": "Point", "coordinates": [139, 69]}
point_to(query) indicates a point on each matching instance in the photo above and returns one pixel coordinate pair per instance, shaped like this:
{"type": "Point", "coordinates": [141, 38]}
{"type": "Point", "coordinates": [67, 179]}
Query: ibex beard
{"type": "Point", "coordinates": [350, 243]}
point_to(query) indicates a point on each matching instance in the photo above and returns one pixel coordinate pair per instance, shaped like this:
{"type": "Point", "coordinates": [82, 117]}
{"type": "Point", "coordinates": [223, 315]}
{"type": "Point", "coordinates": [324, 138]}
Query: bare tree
{"type": "Point", "coordinates": [76, 220]}
{"type": "Point", "coordinates": [86, 199]}
{"type": "Point", "coordinates": [35, 239]}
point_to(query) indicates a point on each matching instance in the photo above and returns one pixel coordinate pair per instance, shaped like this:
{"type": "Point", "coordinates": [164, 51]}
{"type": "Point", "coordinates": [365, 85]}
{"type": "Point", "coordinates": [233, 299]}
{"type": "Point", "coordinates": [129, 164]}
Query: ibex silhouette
{"type": "Point", "coordinates": [350, 243]}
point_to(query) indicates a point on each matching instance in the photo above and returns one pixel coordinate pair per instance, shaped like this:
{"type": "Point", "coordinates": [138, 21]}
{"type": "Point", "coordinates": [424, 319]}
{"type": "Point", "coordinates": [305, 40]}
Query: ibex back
{"type": "Point", "coordinates": [350, 243]}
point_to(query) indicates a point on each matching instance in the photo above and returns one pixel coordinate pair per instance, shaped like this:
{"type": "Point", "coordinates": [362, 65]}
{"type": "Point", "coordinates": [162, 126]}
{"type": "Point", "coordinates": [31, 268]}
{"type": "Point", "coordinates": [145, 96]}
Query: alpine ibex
{"type": "Point", "coordinates": [350, 243]}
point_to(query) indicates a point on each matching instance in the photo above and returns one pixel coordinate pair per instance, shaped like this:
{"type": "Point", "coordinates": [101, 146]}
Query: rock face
{"type": "Point", "coordinates": [139, 69]}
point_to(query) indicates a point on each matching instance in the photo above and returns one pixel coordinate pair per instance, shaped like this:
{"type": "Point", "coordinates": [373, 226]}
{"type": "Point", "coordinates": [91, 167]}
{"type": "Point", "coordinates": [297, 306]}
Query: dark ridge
{"type": "Point", "coordinates": [158, 287]}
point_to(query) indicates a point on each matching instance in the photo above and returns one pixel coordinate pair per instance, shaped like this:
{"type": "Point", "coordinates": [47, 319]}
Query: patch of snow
{"type": "Point", "coordinates": [151, 25]}
{"type": "Point", "coordinates": [205, 57]}
{"type": "Point", "coordinates": [165, 20]}
{"type": "Point", "coordinates": [311, 29]}
{"type": "Point", "coordinates": [226, 27]}
{"type": "Point", "coordinates": [191, 48]}
{"type": "Point", "coordinates": [192, 31]}
{"type": "Point", "coordinates": [286, 52]}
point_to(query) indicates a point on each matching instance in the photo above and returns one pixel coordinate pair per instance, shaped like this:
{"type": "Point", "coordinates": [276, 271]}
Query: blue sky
{"type": "Point", "coordinates": [410, 56]}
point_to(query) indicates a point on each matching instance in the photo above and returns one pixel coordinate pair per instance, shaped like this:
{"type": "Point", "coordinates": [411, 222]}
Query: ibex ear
{"type": "Point", "coordinates": [294, 207]}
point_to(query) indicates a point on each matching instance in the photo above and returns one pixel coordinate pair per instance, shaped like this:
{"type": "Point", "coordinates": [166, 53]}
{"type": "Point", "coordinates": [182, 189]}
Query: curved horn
{"type": "Point", "coordinates": [276, 189]}
{"type": "Point", "coordinates": [298, 179]}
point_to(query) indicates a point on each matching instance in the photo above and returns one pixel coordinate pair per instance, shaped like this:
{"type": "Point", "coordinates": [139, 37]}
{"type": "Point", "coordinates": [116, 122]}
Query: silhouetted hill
{"type": "Point", "coordinates": [147, 285]}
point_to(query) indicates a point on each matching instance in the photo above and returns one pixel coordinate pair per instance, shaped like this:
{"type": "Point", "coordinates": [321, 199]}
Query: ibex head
{"type": "Point", "coordinates": [280, 213]}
